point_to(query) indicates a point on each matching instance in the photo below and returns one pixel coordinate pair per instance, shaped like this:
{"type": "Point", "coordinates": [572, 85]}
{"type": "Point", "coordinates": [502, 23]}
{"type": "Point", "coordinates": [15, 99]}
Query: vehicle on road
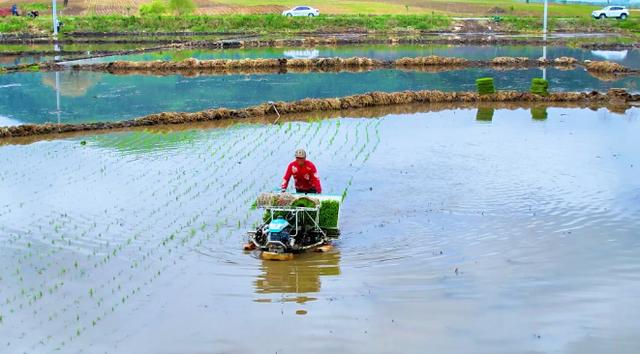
{"type": "Point", "coordinates": [307, 11]}
{"type": "Point", "coordinates": [620, 12]}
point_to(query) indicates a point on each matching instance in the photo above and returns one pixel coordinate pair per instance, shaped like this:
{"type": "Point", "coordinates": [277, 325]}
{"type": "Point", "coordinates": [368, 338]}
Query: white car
{"type": "Point", "coordinates": [620, 12]}
{"type": "Point", "coordinates": [301, 11]}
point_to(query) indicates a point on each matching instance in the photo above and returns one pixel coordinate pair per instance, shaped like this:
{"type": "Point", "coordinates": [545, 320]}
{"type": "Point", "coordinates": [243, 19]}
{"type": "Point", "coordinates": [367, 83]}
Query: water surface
{"type": "Point", "coordinates": [463, 231]}
{"type": "Point", "coordinates": [628, 57]}
{"type": "Point", "coordinates": [88, 96]}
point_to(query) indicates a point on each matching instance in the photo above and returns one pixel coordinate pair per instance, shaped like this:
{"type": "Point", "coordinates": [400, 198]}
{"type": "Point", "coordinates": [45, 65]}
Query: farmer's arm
{"type": "Point", "coordinates": [286, 178]}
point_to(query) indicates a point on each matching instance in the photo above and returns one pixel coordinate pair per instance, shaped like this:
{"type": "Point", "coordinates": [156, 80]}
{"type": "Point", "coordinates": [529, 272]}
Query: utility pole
{"type": "Point", "coordinates": [56, 48]}
{"type": "Point", "coordinates": [544, 35]}
{"type": "Point", "coordinates": [55, 19]}
{"type": "Point", "coordinates": [544, 29]}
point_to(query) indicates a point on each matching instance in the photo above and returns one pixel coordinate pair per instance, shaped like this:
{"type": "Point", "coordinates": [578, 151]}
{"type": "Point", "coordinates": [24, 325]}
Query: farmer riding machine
{"type": "Point", "coordinates": [294, 223]}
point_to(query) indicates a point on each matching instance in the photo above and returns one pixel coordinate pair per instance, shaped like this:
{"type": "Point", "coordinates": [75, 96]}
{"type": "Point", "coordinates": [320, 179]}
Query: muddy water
{"type": "Point", "coordinates": [463, 231]}
{"type": "Point", "coordinates": [628, 57]}
{"type": "Point", "coordinates": [87, 96]}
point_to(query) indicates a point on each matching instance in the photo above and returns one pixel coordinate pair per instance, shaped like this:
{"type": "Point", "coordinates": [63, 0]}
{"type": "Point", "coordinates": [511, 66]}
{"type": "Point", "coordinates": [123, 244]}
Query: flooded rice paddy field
{"type": "Point", "coordinates": [464, 232]}
{"type": "Point", "coordinates": [89, 96]}
{"type": "Point", "coordinates": [73, 97]}
{"type": "Point", "coordinates": [628, 57]}
{"type": "Point", "coordinates": [16, 54]}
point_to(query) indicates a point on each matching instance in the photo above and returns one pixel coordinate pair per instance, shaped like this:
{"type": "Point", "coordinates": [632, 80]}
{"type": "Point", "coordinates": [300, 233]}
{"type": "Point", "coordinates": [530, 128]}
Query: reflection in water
{"type": "Point", "coordinates": [72, 83]}
{"type": "Point", "coordinates": [302, 54]}
{"type": "Point", "coordinates": [614, 55]}
{"type": "Point", "coordinates": [379, 51]}
{"type": "Point", "coordinates": [298, 276]}
{"type": "Point", "coordinates": [485, 114]}
{"type": "Point", "coordinates": [538, 113]}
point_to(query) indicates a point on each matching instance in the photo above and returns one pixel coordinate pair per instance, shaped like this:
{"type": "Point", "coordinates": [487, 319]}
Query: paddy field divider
{"type": "Point", "coordinates": [614, 99]}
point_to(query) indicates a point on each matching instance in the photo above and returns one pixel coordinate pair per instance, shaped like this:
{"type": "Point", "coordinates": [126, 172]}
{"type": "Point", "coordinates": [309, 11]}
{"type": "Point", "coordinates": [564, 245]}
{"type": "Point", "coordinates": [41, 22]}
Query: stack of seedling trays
{"type": "Point", "coordinates": [485, 86]}
{"type": "Point", "coordinates": [329, 211]}
{"type": "Point", "coordinates": [540, 87]}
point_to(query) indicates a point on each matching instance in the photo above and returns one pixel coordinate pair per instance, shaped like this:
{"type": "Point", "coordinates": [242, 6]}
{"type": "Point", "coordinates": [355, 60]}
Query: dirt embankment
{"type": "Point", "coordinates": [195, 67]}
{"type": "Point", "coordinates": [364, 112]}
{"type": "Point", "coordinates": [605, 67]}
{"type": "Point", "coordinates": [617, 98]}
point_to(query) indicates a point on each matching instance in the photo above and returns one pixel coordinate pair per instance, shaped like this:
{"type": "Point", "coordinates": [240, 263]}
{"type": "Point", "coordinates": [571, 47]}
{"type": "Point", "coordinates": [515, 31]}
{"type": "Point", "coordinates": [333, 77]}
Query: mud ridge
{"type": "Point", "coordinates": [619, 99]}
{"type": "Point", "coordinates": [364, 112]}
{"type": "Point", "coordinates": [605, 67]}
{"type": "Point", "coordinates": [194, 67]}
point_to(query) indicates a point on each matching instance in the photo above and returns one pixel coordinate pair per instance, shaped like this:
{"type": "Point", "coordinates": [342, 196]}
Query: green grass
{"type": "Point", "coordinates": [582, 24]}
{"type": "Point", "coordinates": [513, 7]}
{"type": "Point", "coordinates": [454, 8]}
{"type": "Point", "coordinates": [266, 24]}
{"type": "Point", "coordinates": [36, 6]}
{"type": "Point", "coordinates": [230, 23]}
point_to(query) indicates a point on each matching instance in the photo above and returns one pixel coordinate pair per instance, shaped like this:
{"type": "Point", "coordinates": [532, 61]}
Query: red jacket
{"type": "Point", "coordinates": [305, 176]}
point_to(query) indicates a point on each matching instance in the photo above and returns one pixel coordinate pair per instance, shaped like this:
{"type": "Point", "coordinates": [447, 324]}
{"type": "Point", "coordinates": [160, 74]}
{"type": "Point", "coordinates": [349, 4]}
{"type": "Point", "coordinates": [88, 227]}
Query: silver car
{"type": "Point", "coordinates": [307, 11]}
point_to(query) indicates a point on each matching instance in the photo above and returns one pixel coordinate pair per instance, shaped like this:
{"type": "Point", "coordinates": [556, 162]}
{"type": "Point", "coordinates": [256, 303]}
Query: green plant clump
{"type": "Point", "coordinates": [182, 7]}
{"type": "Point", "coordinates": [329, 213]}
{"type": "Point", "coordinates": [153, 8]}
{"type": "Point", "coordinates": [304, 203]}
{"type": "Point", "coordinates": [485, 86]}
{"type": "Point", "coordinates": [540, 86]}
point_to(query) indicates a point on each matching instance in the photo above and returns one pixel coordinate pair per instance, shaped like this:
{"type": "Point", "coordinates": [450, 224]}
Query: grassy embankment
{"type": "Point", "coordinates": [264, 24]}
{"type": "Point", "coordinates": [469, 8]}
{"type": "Point", "coordinates": [262, 16]}
{"type": "Point", "coordinates": [229, 23]}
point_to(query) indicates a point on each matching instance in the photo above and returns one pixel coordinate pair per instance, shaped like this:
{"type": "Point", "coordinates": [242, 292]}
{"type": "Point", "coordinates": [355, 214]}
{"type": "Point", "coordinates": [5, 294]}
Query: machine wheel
{"type": "Point", "coordinates": [289, 15]}
{"type": "Point", "coordinates": [623, 16]}
{"type": "Point", "coordinates": [311, 15]}
{"type": "Point", "coordinates": [323, 248]}
{"type": "Point", "coordinates": [602, 16]}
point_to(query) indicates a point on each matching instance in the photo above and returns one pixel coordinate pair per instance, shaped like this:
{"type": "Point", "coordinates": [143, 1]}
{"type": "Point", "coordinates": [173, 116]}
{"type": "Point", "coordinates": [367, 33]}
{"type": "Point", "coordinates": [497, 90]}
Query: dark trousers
{"type": "Point", "coordinates": [310, 191]}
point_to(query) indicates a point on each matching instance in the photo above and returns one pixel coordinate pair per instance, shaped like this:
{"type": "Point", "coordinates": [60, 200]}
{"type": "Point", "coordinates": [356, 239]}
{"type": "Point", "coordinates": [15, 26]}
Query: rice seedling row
{"type": "Point", "coordinates": [66, 239]}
